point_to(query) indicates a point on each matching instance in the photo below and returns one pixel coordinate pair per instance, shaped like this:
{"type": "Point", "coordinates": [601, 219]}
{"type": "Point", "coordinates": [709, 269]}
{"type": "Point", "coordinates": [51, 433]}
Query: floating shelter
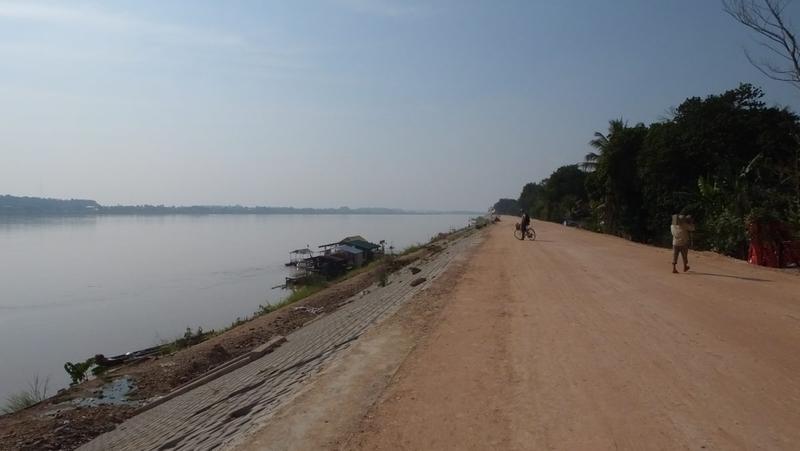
{"type": "Point", "coordinates": [298, 255]}
{"type": "Point", "coordinates": [333, 259]}
{"type": "Point", "coordinates": [369, 249]}
{"type": "Point", "coordinates": [352, 255]}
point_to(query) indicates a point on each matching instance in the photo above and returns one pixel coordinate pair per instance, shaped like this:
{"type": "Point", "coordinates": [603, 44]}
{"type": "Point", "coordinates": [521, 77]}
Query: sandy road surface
{"type": "Point", "coordinates": [584, 341]}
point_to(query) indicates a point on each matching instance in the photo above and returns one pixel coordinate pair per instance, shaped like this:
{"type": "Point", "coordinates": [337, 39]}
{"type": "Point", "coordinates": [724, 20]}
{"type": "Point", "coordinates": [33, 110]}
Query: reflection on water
{"type": "Point", "coordinates": [74, 287]}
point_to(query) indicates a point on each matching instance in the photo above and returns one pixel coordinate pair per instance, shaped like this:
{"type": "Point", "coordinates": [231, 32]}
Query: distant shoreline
{"type": "Point", "coordinates": [37, 206]}
{"type": "Point", "coordinates": [80, 215]}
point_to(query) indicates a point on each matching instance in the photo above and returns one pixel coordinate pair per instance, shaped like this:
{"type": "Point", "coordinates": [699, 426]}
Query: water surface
{"type": "Point", "coordinates": [74, 287]}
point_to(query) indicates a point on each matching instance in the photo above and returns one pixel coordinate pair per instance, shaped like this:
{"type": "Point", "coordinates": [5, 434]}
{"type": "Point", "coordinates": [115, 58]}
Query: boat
{"type": "Point", "coordinates": [297, 256]}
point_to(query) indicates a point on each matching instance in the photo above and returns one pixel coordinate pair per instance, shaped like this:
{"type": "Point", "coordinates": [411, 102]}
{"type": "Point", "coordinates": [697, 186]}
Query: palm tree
{"type": "Point", "coordinates": [601, 143]}
{"type": "Point", "coordinates": [605, 206]}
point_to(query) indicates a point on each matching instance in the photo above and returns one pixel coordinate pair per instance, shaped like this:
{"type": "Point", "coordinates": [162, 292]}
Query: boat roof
{"type": "Point", "coordinates": [355, 241]}
{"type": "Point", "coordinates": [302, 251]}
{"type": "Point", "coordinates": [362, 244]}
{"type": "Point", "coordinates": [348, 249]}
{"type": "Point", "coordinates": [353, 238]}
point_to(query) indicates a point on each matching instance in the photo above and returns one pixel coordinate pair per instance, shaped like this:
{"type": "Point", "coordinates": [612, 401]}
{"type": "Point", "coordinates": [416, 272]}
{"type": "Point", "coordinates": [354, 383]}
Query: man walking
{"type": "Point", "coordinates": [680, 228]}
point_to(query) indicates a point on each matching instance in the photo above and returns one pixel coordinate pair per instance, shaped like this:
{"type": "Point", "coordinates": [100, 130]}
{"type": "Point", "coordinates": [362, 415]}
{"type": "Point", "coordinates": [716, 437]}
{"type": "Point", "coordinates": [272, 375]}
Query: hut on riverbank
{"type": "Point", "coordinates": [333, 259]}
{"type": "Point", "coordinates": [355, 249]}
{"type": "Point", "coordinates": [370, 250]}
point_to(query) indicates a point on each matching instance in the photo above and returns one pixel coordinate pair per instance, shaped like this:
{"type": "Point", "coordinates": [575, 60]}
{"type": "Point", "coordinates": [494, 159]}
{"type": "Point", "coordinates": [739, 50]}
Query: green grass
{"type": "Point", "coordinates": [481, 222]}
{"type": "Point", "coordinates": [296, 295]}
{"type": "Point", "coordinates": [263, 309]}
{"type": "Point", "coordinates": [189, 338]}
{"type": "Point", "coordinates": [317, 286]}
{"type": "Point", "coordinates": [36, 392]}
{"type": "Point", "coordinates": [302, 293]}
{"type": "Point", "coordinates": [411, 249]}
{"type": "Point", "coordinates": [352, 273]}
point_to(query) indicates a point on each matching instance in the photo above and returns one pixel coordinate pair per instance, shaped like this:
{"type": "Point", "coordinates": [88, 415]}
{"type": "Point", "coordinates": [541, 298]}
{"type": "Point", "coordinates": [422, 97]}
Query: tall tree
{"type": "Point", "coordinates": [600, 143]}
{"type": "Point", "coordinates": [612, 185]}
{"type": "Point", "coordinates": [531, 199]}
{"type": "Point", "coordinates": [564, 194]}
{"type": "Point", "coordinates": [723, 158]}
{"type": "Point", "coordinates": [557, 198]}
{"type": "Point", "coordinates": [506, 207]}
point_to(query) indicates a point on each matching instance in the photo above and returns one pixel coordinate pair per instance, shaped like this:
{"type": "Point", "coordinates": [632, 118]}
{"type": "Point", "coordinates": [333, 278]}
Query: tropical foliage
{"type": "Point", "coordinates": [506, 207]}
{"type": "Point", "coordinates": [728, 159]}
{"type": "Point", "coordinates": [558, 197]}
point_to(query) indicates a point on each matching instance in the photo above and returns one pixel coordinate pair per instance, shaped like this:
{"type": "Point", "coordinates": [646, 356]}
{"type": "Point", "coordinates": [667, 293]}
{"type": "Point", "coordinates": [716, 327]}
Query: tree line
{"type": "Point", "coordinates": [37, 206]}
{"type": "Point", "coordinates": [727, 159]}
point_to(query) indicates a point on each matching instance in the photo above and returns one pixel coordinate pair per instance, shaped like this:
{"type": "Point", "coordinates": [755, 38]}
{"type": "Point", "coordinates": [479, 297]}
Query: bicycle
{"type": "Point", "coordinates": [530, 233]}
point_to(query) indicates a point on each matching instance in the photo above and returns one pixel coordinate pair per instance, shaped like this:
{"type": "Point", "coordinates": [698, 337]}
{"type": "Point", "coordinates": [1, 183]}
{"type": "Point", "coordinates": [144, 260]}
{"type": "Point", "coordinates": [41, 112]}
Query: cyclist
{"type": "Point", "coordinates": [524, 223]}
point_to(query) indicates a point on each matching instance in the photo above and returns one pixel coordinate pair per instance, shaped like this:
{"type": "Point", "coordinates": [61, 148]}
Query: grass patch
{"type": "Point", "coordinates": [354, 272]}
{"type": "Point", "coordinates": [36, 392]}
{"type": "Point", "coordinates": [383, 277]}
{"type": "Point", "coordinates": [263, 309]}
{"type": "Point", "coordinates": [239, 321]}
{"type": "Point", "coordinates": [316, 286]}
{"type": "Point", "coordinates": [189, 338]}
{"type": "Point", "coordinates": [411, 249]}
{"type": "Point", "coordinates": [302, 293]}
{"type": "Point", "coordinates": [480, 222]}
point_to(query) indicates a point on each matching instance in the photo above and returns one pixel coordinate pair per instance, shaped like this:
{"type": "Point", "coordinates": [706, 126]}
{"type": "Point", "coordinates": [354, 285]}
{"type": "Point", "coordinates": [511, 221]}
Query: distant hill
{"type": "Point", "coordinates": [32, 206]}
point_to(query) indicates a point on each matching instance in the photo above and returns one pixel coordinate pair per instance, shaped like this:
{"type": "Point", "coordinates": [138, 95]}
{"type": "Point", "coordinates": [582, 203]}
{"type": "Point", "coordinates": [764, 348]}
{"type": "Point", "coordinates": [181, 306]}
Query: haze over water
{"type": "Point", "coordinates": [75, 287]}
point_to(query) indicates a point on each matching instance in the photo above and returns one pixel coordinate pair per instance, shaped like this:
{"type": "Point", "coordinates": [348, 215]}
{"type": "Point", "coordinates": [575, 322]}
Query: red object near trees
{"type": "Point", "coordinates": [772, 245]}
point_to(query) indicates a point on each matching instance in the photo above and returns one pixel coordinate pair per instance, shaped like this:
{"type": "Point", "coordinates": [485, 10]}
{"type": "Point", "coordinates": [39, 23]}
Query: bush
{"type": "Point", "coordinates": [383, 277]}
{"type": "Point", "coordinates": [36, 392]}
{"type": "Point", "coordinates": [725, 233]}
{"type": "Point", "coordinates": [480, 222]}
{"type": "Point", "coordinates": [77, 371]}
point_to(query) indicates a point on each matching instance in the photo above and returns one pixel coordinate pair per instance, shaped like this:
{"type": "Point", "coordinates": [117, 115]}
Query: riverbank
{"type": "Point", "coordinates": [58, 423]}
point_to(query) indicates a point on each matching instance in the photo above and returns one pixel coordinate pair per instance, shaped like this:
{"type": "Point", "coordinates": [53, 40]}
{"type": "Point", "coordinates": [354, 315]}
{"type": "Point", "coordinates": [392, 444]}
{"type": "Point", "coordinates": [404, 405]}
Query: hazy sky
{"type": "Point", "coordinates": [440, 105]}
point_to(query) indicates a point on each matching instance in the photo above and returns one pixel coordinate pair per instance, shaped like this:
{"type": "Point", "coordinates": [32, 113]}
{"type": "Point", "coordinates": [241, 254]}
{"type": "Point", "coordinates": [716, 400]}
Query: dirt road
{"type": "Point", "coordinates": [584, 341]}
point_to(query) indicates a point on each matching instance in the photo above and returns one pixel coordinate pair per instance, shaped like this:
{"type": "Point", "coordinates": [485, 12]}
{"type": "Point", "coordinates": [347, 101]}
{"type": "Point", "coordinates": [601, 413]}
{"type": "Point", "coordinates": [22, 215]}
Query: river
{"type": "Point", "coordinates": [74, 287]}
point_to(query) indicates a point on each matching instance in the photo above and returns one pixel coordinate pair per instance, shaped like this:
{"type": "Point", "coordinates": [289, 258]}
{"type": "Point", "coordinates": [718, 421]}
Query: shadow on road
{"type": "Point", "coordinates": [752, 279]}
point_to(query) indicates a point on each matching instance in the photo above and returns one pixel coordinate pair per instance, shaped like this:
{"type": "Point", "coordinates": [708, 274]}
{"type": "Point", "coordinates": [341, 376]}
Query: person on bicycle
{"type": "Point", "coordinates": [524, 223]}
